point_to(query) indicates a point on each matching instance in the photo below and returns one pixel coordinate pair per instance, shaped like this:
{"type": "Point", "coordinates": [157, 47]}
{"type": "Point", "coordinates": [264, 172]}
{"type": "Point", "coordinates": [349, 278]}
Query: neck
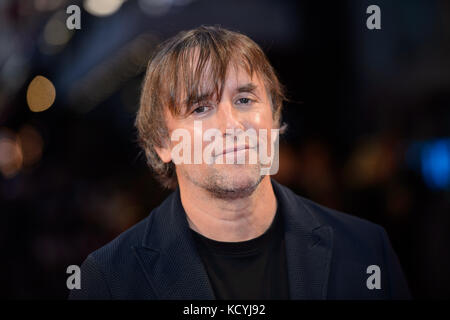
{"type": "Point", "coordinates": [229, 220]}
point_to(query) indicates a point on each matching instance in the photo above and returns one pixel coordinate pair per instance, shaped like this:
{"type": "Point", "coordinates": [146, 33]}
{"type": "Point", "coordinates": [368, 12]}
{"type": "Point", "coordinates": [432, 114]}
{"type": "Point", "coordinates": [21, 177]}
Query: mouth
{"type": "Point", "coordinates": [234, 149]}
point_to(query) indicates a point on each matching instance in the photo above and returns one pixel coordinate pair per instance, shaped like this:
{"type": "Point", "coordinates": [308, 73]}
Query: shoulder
{"type": "Point", "coordinates": [114, 271]}
{"type": "Point", "coordinates": [343, 224]}
{"type": "Point", "coordinates": [357, 245]}
{"type": "Point", "coordinates": [323, 215]}
{"type": "Point", "coordinates": [117, 250]}
{"type": "Point", "coordinates": [349, 231]}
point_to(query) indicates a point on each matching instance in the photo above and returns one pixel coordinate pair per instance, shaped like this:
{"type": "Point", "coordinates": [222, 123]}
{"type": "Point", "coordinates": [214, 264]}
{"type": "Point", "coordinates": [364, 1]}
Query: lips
{"type": "Point", "coordinates": [234, 149]}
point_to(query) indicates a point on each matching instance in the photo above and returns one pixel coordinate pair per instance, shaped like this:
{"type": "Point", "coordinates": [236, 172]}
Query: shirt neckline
{"type": "Point", "coordinates": [246, 247]}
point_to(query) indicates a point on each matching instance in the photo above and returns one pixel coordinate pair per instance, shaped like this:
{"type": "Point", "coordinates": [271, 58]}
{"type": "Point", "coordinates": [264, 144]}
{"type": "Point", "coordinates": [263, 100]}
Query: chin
{"type": "Point", "coordinates": [238, 173]}
{"type": "Point", "coordinates": [235, 181]}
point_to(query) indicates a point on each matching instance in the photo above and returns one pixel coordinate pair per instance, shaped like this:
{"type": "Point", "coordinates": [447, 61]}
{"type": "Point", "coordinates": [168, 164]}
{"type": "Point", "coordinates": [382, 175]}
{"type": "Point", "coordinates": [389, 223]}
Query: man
{"type": "Point", "coordinates": [229, 231]}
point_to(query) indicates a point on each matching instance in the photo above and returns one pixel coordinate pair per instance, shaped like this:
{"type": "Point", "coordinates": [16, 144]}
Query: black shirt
{"type": "Point", "coordinates": [252, 269]}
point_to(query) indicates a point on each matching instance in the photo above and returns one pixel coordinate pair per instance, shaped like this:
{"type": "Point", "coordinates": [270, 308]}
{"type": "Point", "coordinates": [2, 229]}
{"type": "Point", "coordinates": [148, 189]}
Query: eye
{"type": "Point", "coordinates": [201, 109]}
{"type": "Point", "coordinates": [244, 101]}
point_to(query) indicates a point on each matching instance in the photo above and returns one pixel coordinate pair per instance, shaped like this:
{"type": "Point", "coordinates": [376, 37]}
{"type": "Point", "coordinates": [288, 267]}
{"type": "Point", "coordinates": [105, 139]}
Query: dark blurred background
{"type": "Point", "coordinates": [369, 123]}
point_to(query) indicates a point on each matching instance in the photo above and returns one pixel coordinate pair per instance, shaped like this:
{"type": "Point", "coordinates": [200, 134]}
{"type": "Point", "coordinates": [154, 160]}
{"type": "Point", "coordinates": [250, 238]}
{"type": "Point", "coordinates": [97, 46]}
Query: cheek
{"type": "Point", "coordinates": [262, 118]}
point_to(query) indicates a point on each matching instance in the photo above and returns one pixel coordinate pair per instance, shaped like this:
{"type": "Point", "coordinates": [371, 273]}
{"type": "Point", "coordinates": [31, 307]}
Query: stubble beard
{"type": "Point", "coordinates": [222, 184]}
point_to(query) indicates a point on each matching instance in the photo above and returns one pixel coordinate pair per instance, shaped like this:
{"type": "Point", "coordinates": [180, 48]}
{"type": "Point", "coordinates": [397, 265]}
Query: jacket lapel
{"type": "Point", "coordinates": [308, 247]}
{"type": "Point", "coordinates": [174, 269]}
{"type": "Point", "coordinates": [169, 257]}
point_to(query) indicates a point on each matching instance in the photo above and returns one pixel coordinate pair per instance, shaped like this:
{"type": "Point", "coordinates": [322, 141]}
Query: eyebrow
{"type": "Point", "coordinates": [249, 87]}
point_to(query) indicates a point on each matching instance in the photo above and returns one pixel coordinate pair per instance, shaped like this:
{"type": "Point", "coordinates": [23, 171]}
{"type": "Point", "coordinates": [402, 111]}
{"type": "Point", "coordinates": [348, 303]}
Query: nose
{"type": "Point", "coordinates": [229, 117]}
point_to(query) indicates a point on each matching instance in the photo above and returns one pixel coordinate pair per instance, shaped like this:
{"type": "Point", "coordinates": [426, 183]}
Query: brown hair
{"type": "Point", "coordinates": [178, 68]}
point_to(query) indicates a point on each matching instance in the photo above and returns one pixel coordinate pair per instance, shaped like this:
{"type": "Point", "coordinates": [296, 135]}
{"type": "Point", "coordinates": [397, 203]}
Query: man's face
{"type": "Point", "coordinates": [244, 105]}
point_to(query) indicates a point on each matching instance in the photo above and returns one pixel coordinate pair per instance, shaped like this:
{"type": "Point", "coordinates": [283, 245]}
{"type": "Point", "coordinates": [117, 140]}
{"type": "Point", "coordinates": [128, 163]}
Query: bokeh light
{"type": "Point", "coordinates": [56, 32]}
{"type": "Point", "coordinates": [41, 94]}
{"type": "Point", "coordinates": [155, 7]}
{"type": "Point", "coordinates": [102, 8]}
{"type": "Point", "coordinates": [47, 5]}
{"type": "Point", "coordinates": [31, 143]}
{"type": "Point", "coordinates": [11, 157]}
{"type": "Point", "coordinates": [55, 35]}
{"type": "Point", "coordinates": [436, 164]}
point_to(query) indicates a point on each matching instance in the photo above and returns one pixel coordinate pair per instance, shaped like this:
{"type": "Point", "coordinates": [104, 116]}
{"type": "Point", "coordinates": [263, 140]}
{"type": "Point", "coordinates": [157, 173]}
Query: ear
{"type": "Point", "coordinates": [164, 153]}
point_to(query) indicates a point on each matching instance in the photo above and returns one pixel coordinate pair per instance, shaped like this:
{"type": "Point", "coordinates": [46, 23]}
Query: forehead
{"type": "Point", "coordinates": [237, 76]}
{"type": "Point", "coordinates": [209, 78]}
{"type": "Point", "coordinates": [237, 79]}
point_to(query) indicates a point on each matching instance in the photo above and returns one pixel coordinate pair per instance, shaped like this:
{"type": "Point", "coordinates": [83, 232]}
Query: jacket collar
{"type": "Point", "coordinates": [309, 246]}
{"type": "Point", "coordinates": [174, 269]}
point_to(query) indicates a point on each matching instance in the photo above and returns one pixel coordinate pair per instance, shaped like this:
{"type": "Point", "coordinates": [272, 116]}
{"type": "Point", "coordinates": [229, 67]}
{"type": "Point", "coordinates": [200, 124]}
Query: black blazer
{"type": "Point", "coordinates": [327, 254]}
